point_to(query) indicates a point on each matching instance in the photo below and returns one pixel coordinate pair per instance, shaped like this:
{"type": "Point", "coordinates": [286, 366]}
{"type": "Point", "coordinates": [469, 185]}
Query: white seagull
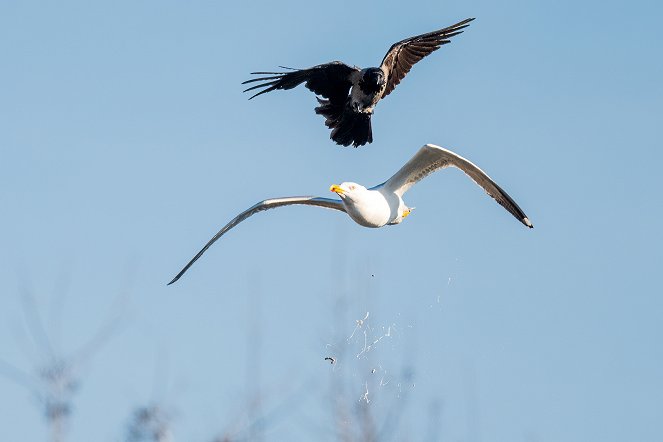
{"type": "Point", "coordinates": [383, 204]}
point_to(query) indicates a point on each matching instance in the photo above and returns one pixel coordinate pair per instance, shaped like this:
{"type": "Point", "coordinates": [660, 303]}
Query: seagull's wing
{"type": "Point", "coordinates": [331, 80]}
{"type": "Point", "coordinates": [259, 207]}
{"type": "Point", "coordinates": [431, 158]}
{"type": "Point", "coordinates": [403, 55]}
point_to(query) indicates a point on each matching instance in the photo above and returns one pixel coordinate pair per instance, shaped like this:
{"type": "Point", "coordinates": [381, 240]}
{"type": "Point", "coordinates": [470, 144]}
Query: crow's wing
{"type": "Point", "coordinates": [403, 55]}
{"type": "Point", "coordinates": [431, 158]}
{"type": "Point", "coordinates": [259, 207]}
{"type": "Point", "coordinates": [331, 80]}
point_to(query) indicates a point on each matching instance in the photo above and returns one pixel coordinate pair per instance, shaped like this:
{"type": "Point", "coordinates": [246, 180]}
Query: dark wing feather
{"type": "Point", "coordinates": [330, 80]}
{"type": "Point", "coordinates": [403, 55]}
{"type": "Point", "coordinates": [259, 207]}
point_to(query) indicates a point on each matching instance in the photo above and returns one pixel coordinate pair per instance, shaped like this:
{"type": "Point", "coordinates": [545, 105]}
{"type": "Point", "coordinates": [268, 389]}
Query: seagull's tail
{"type": "Point", "coordinates": [348, 127]}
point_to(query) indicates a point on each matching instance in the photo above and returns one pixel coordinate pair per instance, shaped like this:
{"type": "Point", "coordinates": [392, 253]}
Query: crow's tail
{"type": "Point", "coordinates": [348, 127]}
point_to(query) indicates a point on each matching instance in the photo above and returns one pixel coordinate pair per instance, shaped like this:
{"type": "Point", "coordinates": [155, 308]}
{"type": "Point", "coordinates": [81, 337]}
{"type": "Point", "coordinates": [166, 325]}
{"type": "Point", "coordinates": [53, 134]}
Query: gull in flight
{"type": "Point", "coordinates": [383, 204]}
{"type": "Point", "coordinates": [350, 93]}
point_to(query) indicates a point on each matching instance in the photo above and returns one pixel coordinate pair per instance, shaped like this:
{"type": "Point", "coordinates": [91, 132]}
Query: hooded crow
{"type": "Point", "coordinates": [350, 93]}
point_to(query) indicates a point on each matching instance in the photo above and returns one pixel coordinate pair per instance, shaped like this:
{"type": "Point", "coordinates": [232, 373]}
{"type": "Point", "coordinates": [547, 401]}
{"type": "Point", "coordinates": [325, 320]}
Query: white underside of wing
{"type": "Point", "coordinates": [259, 207]}
{"type": "Point", "coordinates": [431, 158]}
{"type": "Point", "coordinates": [426, 161]}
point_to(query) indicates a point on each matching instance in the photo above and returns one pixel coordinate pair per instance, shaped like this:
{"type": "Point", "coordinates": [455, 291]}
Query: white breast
{"type": "Point", "coordinates": [372, 208]}
{"type": "Point", "coordinates": [362, 102]}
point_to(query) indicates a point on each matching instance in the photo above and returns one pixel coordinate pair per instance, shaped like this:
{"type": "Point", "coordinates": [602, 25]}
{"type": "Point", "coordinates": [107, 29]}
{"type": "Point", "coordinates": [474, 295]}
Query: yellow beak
{"type": "Point", "coordinates": [336, 189]}
{"type": "Point", "coordinates": [406, 213]}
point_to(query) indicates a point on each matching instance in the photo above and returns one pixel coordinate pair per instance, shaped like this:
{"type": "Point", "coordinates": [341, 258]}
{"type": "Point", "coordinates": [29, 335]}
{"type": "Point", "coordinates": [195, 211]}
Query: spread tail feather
{"type": "Point", "coordinates": [348, 127]}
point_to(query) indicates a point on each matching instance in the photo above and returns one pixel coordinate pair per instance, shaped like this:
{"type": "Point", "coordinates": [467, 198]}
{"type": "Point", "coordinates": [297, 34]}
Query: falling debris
{"type": "Point", "coordinates": [360, 324]}
{"type": "Point", "coordinates": [367, 346]}
{"type": "Point", "coordinates": [364, 397]}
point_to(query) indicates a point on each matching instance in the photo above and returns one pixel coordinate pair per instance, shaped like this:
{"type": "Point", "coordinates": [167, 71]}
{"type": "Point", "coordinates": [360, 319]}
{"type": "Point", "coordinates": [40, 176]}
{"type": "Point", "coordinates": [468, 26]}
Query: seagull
{"type": "Point", "coordinates": [383, 204]}
{"type": "Point", "coordinates": [350, 93]}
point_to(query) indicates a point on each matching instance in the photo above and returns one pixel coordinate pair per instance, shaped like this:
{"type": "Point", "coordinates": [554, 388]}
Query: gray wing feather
{"type": "Point", "coordinates": [403, 55]}
{"type": "Point", "coordinates": [431, 158]}
{"type": "Point", "coordinates": [259, 207]}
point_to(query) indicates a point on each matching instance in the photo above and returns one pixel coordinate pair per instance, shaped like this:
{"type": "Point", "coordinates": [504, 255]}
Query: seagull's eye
{"type": "Point", "coordinates": [351, 187]}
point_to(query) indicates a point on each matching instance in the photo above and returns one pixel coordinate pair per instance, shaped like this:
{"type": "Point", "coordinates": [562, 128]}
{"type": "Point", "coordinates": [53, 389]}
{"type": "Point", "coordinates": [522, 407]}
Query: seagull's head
{"type": "Point", "coordinates": [349, 191]}
{"type": "Point", "coordinates": [372, 79]}
{"type": "Point", "coordinates": [367, 207]}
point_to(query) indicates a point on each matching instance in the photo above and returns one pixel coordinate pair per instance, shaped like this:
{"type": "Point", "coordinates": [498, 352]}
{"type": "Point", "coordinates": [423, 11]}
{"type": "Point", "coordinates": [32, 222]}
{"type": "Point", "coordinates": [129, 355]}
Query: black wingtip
{"type": "Point", "coordinates": [463, 24]}
{"type": "Point", "coordinates": [274, 77]}
{"type": "Point", "coordinates": [178, 276]}
{"type": "Point", "coordinates": [269, 89]}
{"type": "Point", "coordinates": [527, 222]}
{"type": "Point", "coordinates": [260, 93]}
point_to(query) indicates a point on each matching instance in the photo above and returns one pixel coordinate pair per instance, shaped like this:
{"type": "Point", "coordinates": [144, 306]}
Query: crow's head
{"type": "Point", "coordinates": [372, 80]}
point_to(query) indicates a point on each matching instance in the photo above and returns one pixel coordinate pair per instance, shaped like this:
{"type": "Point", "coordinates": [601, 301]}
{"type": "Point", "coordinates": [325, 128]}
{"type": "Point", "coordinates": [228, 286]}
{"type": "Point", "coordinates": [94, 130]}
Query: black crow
{"type": "Point", "coordinates": [350, 93]}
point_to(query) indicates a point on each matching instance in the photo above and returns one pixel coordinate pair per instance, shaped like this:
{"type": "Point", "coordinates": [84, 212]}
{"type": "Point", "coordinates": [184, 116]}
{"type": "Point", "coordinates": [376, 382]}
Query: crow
{"type": "Point", "coordinates": [350, 93]}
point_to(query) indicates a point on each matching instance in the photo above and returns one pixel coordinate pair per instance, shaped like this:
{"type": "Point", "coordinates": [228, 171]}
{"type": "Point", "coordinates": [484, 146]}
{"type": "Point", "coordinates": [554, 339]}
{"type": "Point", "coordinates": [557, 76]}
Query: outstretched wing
{"type": "Point", "coordinates": [403, 55]}
{"type": "Point", "coordinates": [331, 80]}
{"type": "Point", "coordinates": [431, 158]}
{"type": "Point", "coordinates": [263, 205]}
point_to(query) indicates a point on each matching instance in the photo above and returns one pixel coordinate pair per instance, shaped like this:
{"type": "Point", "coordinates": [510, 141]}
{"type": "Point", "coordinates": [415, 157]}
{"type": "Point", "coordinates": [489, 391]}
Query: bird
{"type": "Point", "coordinates": [349, 94]}
{"type": "Point", "coordinates": [383, 204]}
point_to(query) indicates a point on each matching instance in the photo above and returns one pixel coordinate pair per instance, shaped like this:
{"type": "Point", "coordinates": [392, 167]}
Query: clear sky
{"type": "Point", "coordinates": [126, 143]}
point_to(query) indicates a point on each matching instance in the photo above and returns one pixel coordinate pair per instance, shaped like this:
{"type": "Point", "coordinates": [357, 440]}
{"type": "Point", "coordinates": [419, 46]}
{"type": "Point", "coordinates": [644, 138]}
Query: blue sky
{"type": "Point", "coordinates": [126, 143]}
